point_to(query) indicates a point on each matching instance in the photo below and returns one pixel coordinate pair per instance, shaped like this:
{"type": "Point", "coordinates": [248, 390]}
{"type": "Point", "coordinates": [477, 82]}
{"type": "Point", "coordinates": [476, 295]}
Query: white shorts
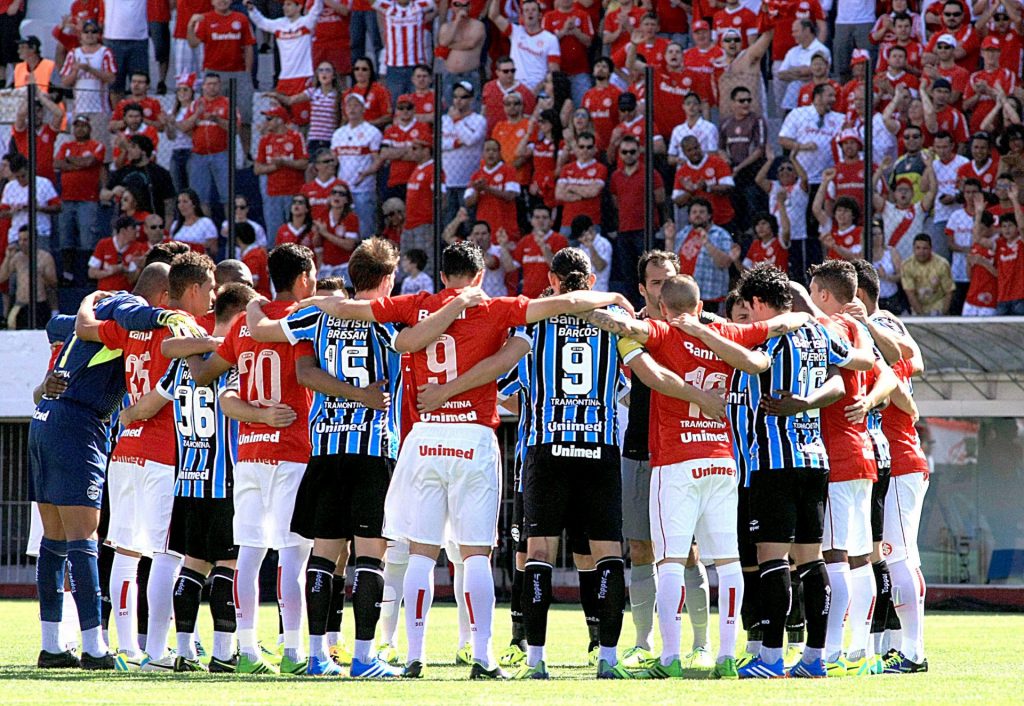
{"type": "Point", "coordinates": [446, 474]}
{"type": "Point", "coordinates": [141, 501]}
{"type": "Point", "coordinates": [397, 552]}
{"type": "Point", "coordinates": [694, 499]}
{"type": "Point", "coordinates": [264, 497]}
{"type": "Point", "coordinates": [903, 505]}
{"type": "Point", "coordinates": [848, 517]}
{"type": "Point", "coordinates": [187, 59]}
{"type": "Point", "coordinates": [972, 310]}
{"type": "Point", "coordinates": [35, 532]}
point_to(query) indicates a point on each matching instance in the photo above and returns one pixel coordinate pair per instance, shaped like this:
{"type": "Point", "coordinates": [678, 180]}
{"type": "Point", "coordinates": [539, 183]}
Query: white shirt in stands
{"type": "Point", "coordinates": [853, 12]}
{"type": "Point", "coordinates": [261, 235]}
{"type": "Point", "coordinates": [294, 40]}
{"type": "Point", "coordinates": [405, 34]}
{"type": "Point", "coordinates": [198, 233]}
{"type": "Point", "coordinates": [705, 132]}
{"type": "Point", "coordinates": [354, 147]}
{"type": "Point", "coordinates": [463, 145]}
{"type": "Point", "coordinates": [945, 177]}
{"type": "Point", "coordinates": [90, 92]}
{"type": "Point", "coordinates": [17, 195]}
{"type": "Point", "coordinates": [125, 19]}
{"type": "Point", "coordinates": [805, 125]}
{"type": "Point", "coordinates": [531, 54]}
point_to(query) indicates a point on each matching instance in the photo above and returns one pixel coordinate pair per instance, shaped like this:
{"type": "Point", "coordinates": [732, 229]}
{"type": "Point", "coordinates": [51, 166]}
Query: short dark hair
{"type": "Point", "coordinates": [731, 300]}
{"type": "Point", "coordinates": [16, 162]}
{"type": "Point", "coordinates": [462, 259]}
{"type": "Point", "coordinates": [416, 257]}
{"type": "Point", "coordinates": [942, 135]}
{"type": "Point", "coordinates": [586, 135]}
{"type": "Point", "coordinates": [572, 268]}
{"type": "Point", "coordinates": [767, 283]}
{"type": "Point", "coordinates": [143, 143]}
{"type": "Point", "coordinates": [287, 263]}
{"type": "Point", "coordinates": [923, 237]}
{"type": "Point", "coordinates": [738, 90]}
{"type": "Point", "coordinates": [1007, 218]}
{"type": "Point", "coordinates": [849, 204]}
{"type": "Point", "coordinates": [838, 277]}
{"type": "Point", "coordinates": [806, 23]}
{"type": "Point", "coordinates": [231, 300]}
{"type": "Point", "coordinates": [165, 252]}
{"type": "Point", "coordinates": [769, 218]}
{"type": "Point", "coordinates": [901, 16]}
{"type": "Point", "coordinates": [330, 284]}
{"type": "Point", "coordinates": [971, 181]}
{"type": "Point", "coordinates": [245, 233]}
{"type": "Point", "coordinates": [143, 74]}
{"type": "Point", "coordinates": [867, 279]}
{"type": "Point", "coordinates": [485, 224]}
{"type": "Point", "coordinates": [658, 257]}
{"type": "Point", "coordinates": [540, 207]}
{"type": "Point", "coordinates": [820, 89]}
{"type": "Point", "coordinates": [133, 107]}
{"type": "Point", "coordinates": [424, 67]}
{"type": "Point", "coordinates": [606, 60]}
{"type": "Point", "coordinates": [897, 47]}
{"type": "Point", "coordinates": [371, 262]}
{"type": "Point", "coordinates": [187, 269]}
{"type": "Point", "coordinates": [701, 202]}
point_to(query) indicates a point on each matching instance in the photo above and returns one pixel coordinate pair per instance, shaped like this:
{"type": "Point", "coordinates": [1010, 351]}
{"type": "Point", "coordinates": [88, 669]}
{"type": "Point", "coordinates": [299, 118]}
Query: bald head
{"type": "Point", "coordinates": [152, 283]}
{"type": "Point", "coordinates": [231, 271]}
{"type": "Point", "coordinates": [680, 295]}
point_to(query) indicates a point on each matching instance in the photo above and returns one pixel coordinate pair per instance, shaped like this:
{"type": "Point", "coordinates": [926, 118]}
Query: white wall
{"type": "Point", "coordinates": [23, 359]}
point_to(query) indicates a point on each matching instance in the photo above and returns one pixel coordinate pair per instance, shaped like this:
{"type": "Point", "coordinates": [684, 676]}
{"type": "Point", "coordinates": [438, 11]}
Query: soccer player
{"type": "Point", "coordinates": [447, 471]}
{"type": "Point", "coordinates": [788, 474]}
{"type": "Point", "coordinates": [207, 443]}
{"type": "Point", "coordinates": [67, 452]}
{"type": "Point", "coordinates": [270, 463]}
{"type": "Point", "coordinates": [692, 488]}
{"type": "Point", "coordinates": [141, 469]}
{"type": "Point", "coordinates": [573, 367]}
{"type": "Point", "coordinates": [354, 444]}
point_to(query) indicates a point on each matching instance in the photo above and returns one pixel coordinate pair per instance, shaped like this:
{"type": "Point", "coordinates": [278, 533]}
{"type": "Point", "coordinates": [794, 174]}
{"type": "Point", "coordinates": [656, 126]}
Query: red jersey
{"type": "Point", "coordinates": [952, 121]}
{"type": "Point", "coordinates": [846, 93]}
{"type": "Point", "coordinates": [712, 170]}
{"type": "Point", "coordinates": [378, 101]}
{"type": "Point", "coordinates": [771, 251]}
{"type": "Point", "coordinates": [187, 8]}
{"type": "Point", "coordinates": [396, 135]}
{"type": "Point", "coordinates": [81, 184]}
{"type": "Point", "coordinates": [603, 104]}
{"type": "Point", "coordinates": [318, 193]}
{"type": "Point", "coordinates": [849, 181]}
{"type": "Point", "coordinates": [958, 78]}
{"type": "Point", "coordinates": [984, 286]}
{"type": "Point", "coordinates": [332, 38]}
{"type": "Point", "coordinates": [618, 18]}
{"type": "Point", "coordinates": [898, 426]}
{"type": "Point", "coordinates": [915, 54]}
{"type": "Point", "coordinates": [266, 376]}
{"type": "Point", "coordinates": [690, 250]}
{"type": "Point", "coordinates": [670, 88]}
{"type": "Point", "coordinates": [781, 14]}
{"type": "Point", "coordinates": [704, 67]}
{"type": "Point", "coordinates": [1009, 269]}
{"type": "Point", "coordinates": [224, 39]}
{"type": "Point", "coordinates": [255, 257]}
{"type": "Point", "coordinates": [477, 334]}
{"type": "Point", "coordinates": [851, 455]}
{"type": "Point", "coordinates": [742, 19]}
{"type": "Point", "coordinates": [421, 102]}
{"type": "Point", "coordinates": [288, 233]}
{"type": "Point", "coordinates": [849, 239]}
{"type": "Point", "coordinates": [284, 181]}
{"type": "Point", "coordinates": [419, 195]}
{"type": "Point", "coordinates": [679, 430]}
{"type": "Point", "coordinates": [590, 174]}
{"type": "Point", "coordinates": [544, 160]}
{"type": "Point", "coordinates": [152, 439]}
{"type": "Point", "coordinates": [151, 108]}
{"type": "Point", "coordinates": [347, 228]}
{"type": "Point", "coordinates": [806, 95]}
{"type": "Point", "coordinates": [147, 130]}
{"type": "Point", "coordinates": [653, 52]}
{"type": "Point", "coordinates": [207, 136]}
{"type": "Point", "coordinates": [984, 104]}
{"type": "Point", "coordinates": [46, 138]}
{"type": "Point", "coordinates": [499, 213]}
{"type": "Point", "coordinates": [966, 39]}
{"type": "Point", "coordinates": [531, 259]}
{"type": "Point", "coordinates": [574, 55]}
{"type": "Point", "coordinates": [82, 10]}
{"type": "Point", "coordinates": [986, 173]}
{"type": "Point", "coordinates": [673, 18]}
{"type": "Point", "coordinates": [106, 254]}
{"type": "Point", "coordinates": [493, 97]}
{"type": "Point", "coordinates": [1010, 58]}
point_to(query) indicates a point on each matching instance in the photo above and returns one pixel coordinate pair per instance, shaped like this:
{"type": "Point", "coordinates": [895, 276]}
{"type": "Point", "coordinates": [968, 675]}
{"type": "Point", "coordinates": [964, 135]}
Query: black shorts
{"type": "Point", "coordinates": [748, 548]}
{"type": "Point", "coordinates": [878, 492]}
{"type": "Point", "coordinates": [574, 486]}
{"type": "Point", "coordinates": [201, 528]}
{"type": "Point", "coordinates": [788, 505]}
{"type": "Point", "coordinates": [576, 538]}
{"type": "Point", "coordinates": [341, 496]}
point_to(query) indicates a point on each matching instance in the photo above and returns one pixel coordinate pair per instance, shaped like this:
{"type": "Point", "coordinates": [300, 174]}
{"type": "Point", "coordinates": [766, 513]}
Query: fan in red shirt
{"type": "Point", "coordinates": [81, 163]}
{"type": "Point", "coordinates": [771, 240]}
{"type": "Point", "coordinates": [980, 94]}
{"type": "Point", "coordinates": [206, 119]}
{"type": "Point", "coordinates": [946, 117]}
{"type": "Point", "coordinates": [672, 83]}
{"type": "Point", "coordinates": [903, 28]}
{"type": "Point", "coordinates": [281, 155]}
{"type": "Point", "coordinates": [1012, 55]}
{"type": "Point", "coordinates": [737, 17]}
{"type": "Point", "coordinates": [339, 232]}
{"type": "Point", "coordinates": [984, 287]}
{"type": "Point", "coordinates": [704, 61]}
{"type": "Point", "coordinates": [255, 258]}
{"type": "Point", "coordinates": [1009, 257]}
{"type": "Point", "coordinates": [419, 195]}
{"type": "Point", "coordinates": [227, 39]}
{"type": "Point", "coordinates": [781, 14]}
{"type": "Point", "coordinates": [581, 182]}
{"type": "Point", "coordinates": [819, 75]}
{"type": "Point", "coordinates": [544, 152]}
{"type": "Point", "coordinates": [619, 25]}
{"type": "Point", "coordinates": [650, 45]}
{"type": "Point", "coordinates": [67, 30]}
{"type": "Point", "coordinates": [849, 170]}
{"type": "Point", "coordinates": [494, 92]}
{"type": "Point", "coordinates": [396, 143]}
{"type": "Point", "coordinates": [332, 38]}
{"type": "Point", "coordinates": [602, 101]}
{"type": "Point", "coordinates": [957, 26]}
{"type": "Point", "coordinates": [984, 164]}
{"type": "Point", "coordinates": [575, 31]}
{"type": "Point", "coordinates": [111, 264]}
{"type": "Point", "coordinates": [706, 176]}
{"type": "Point", "coordinates": [134, 124]}
{"type": "Point", "coordinates": [534, 251]}
{"type": "Point", "coordinates": [46, 133]}
{"type": "Point", "coordinates": [422, 96]}
{"type": "Point", "coordinates": [325, 178]}
{"type": "Point", "coordinates": [493, 189]}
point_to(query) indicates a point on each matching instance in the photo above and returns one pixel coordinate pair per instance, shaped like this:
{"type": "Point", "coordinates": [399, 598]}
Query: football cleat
{"type": "Point", "coordinates": [810, 670]}
{"type": "Point", "coordinates": [386, 652]}
{"type": "Point", "coordinates": [340, 653]}
{"type": "Point", "coordinates": [293, 666]}
{"type": "Point", "coordinates": [612, 671]}
{"type": "Point", "coordinates": [273, 656]}
{"type": "Point", "coordinates": [464, 655]}
{"type": "Point", "coordinates": [376, 668]}
{"type": "Point", "coordinates": [413, 670]}
{"type": "Point", "coordinates": [538, 671]}
{"type": "Point", "coordinates": [163, 665]}
{"type": "Point", "coordinates": [839, 668]}
{"type": "Point", "coordinates": [864, 666]}
{"type": "Point", "coordinates": [726, 669]}
{"type": "Point", "coordinates": [793, 654]}
{"type": "Point", "coordinates": [183, 664]}
{"type": "Point", "coordinates": [105, 662]}
{"type": "Point", "coordinates": [899, 664]}
{"type": "Point", "coordinates": [637, 658]}
{"type": "Point", "coordinates": [513, 656]}
{"type": "Point", "coordinates": [593, 655]}
{"type": "Point", "coordinates": [759, 669]}
{"type": "Point", "coordinates": [223, 666]}
{"type": "Point", "coordinates": [316, 667]}
{"type": "Point", "coordinates": [700, 658]}
{"type": "Point", "coordinates": [260, 665]}
{"type": "Point", "coordinates": [124, 662]}
{"type": "Point", "coordinates": [744, 659]}
{"type": "Point", "coordinates": [57, 660]}
{"type": "Point", "coordinates": [657, 670]}
{"type": "Point", "coordinates": [479, 671]}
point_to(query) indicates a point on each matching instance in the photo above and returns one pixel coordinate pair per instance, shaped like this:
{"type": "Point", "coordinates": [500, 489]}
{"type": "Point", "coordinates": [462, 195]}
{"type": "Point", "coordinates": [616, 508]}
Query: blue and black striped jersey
{"type": "Point", "coordinates": [882, 455]}
{"type": "Point", "coordinates": [800, 363]}
{"type": "Point", "coordinates": [207, 438]}
{"type": "Point", "coordinates": [359, 353]}
{"type": "Point", "coordinates": [517, 382]}
{"type": "Point", "coordinates": [740, 418]}
{"type": "Point", "coordinates": [575, 383]}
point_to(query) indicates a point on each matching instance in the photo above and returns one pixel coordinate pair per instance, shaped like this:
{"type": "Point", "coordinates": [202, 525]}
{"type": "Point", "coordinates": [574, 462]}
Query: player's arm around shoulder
{"type": "Point", "coordinates": [619, 323]}
{"type": "Point", "coordinates": [432, 396]}
{"type": "Point", "coordinates": [574, 303]}
{"type": "Point", "coordinates": [861, 357]}
{"type": "Point", "coordinates": [661, 379]}
{"type": "Point", "coordinates": [147, 407]}
{"type": "Point", "coordinates": [261, 327]}
{"type": "Point", "coordinates": [416, 338]}
{"type": "Point", "coordinates": [732, 353]}
{"type": "Point", "coordinates": [276, 415]}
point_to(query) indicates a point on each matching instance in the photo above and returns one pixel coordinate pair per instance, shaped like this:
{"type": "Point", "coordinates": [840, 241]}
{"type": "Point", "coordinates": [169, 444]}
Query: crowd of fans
{"type": "Point", "coordinates": [758, 138]}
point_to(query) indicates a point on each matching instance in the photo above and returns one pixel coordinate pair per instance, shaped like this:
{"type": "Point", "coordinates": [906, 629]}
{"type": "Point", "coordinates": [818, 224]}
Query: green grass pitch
{"type": "Point", "coordinates": [971, 657]}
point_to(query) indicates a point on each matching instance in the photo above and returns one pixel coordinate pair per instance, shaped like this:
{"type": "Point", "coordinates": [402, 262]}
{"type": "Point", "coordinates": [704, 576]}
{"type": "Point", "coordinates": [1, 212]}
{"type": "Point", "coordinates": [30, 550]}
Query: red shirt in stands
{"type": "Point", "coordinates": [255, 257]}
{"type": "Point", "coordinates": [712, 170]}
{"type": "Point", "coordinates": [378, 101]}
{"type": "Point", "coordinates": [46, 139]}
{"type": "Point", "coordinates": [653, 51]}
{"type": "Point", "coordinates": [806, 95]}
{"type": "Point", "coordinates": [592, 173]}
{"type": "Point", "coordinates": [347, 228]}
{"type": "Point", "coordinates": [603, 104]}
{"type": "Point", "coordinates": [147, 130]}
{"type": "Point", "coordinates": [984, 104]}
{"type": "Point", "coordinates": [966, 39]}
{"type": "Point", "coordinates": [849, 239]}
{"type": "Point", "coordinates": [208, 137]}
{"type": "Point", "coordinates": [106, 254]}
{"type": "Point", "coordinates": [81, 184]}
{"type": "Point", "coordinates": [952, 121]}
{"type": "Point", "coordinates": [574, 55]}
{"type": "Point", "coordinates": [771, 251]}
{"type": "Point", "coordinates": [984, 286]}
{"type": "Point", "coordinates": [498, 212]}
{"type": "Point", "coordinates": [530, 256]}
{"type": "Point", "coordinates": [318, 194]}
{"type": "Point", "coordinates": [628, 190]}
{"type": "Point", "coordinates": [914, 50]}
{"type": "Point", "coordinates": [670, 88]}
{"type": "Point", "coordinates": [849, 181]}
{"type": "Point", "coordinates": [781, 14]}
{"type": "Point", "coordinates": [705, 67]}
{"type": "Point", "coordinates": [743, 20]}
{"type": "Point", "coordinates": [1010, 269]}
{"type": "Point", "coordinates": [224, 39]}
{"type": "Point", "coordinates": [284, 181]}
{"type": "Point", "coordinates": [419, 195]}
{"type": "Point", "coordinates": [614, 20]}
{"type": "Point", "coordinates": [396, 135]}
{"type": "Point", "coordinates": [151, 108]}
{"type": "Point", "coordinates": [986, 173]}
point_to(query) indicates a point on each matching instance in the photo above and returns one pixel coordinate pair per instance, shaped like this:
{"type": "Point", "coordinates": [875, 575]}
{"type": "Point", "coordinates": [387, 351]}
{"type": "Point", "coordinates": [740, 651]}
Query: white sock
{"type": "Point", "coordinates": [671, 598]}
{"type": "Point", "coordinates": [124, 595]}
{"type": "Point", "coordinates": [291, 564]}
{"type": "Point", "coordinates": [247, 597]}
{"type": "Point", "coordinates": [478, 593]}
{"type": "Point", "coordinates": [51, 637]}
{"type": "Point", "coordinates": [93, 642]}
{"type": "Point", "coordinates": [160, 594]}
{"type": "Point", "coordinates": [643, 587]}
{"type": "Point", "coordinates": [698, 603]}
{"type": "Point", "coordinates": [459, 587]}
{"type": "Point", "coordinates": [862, 606]}
{"type": "Point", "coordinates": [317, 648]}
{"type": "Point", "coordinates": [333, 638]}
{"type": "Point", "coordinates": [186, 645]}
{"type": "Point", "coordinates": [730, 598]}
{"type": "Point", "coordinates": [363, 651]}
{"type": "Point", "coordinates": [69, 627]}
{"type": "Point", "coordinates": [418, 588]}
{"type": "Point", "coordinates": [839, 579]}
{"type": "Point", "coordinates": [908, 596]}
{"type": "Point", "coordinates": [394, 576]}
{"type": "Point", "coordinates": [535, 654]}
{"type": "Point", "coordinates": [608, 654]}
{"type": "Point", "coordinates": [223, 645]}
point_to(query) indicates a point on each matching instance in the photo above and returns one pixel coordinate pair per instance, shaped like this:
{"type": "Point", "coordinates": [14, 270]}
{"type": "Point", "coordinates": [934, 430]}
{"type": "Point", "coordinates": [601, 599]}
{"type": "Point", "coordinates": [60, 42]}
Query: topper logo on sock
{"type": "Point", "coordinates": [538, 593]}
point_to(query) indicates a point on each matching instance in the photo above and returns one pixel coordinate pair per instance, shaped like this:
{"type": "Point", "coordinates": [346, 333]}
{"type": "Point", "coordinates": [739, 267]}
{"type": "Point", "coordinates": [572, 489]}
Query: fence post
{"type": "Point", "coordinates": [438, 195]}
{"type": "Point", "coordinates": [648, 158]}
{"type": "Point", "coordinates": [232, 156]}
{"type": "Point", "coordinates": [33, 211]}
{"type": "Point", "coordinates": [867, 241]}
